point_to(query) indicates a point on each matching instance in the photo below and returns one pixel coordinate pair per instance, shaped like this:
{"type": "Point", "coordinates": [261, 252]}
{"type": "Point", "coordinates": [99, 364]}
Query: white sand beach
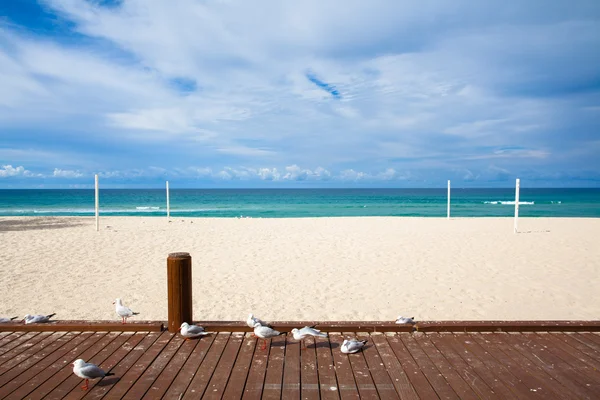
{"type": "Point", "coordinates": [305, 269]}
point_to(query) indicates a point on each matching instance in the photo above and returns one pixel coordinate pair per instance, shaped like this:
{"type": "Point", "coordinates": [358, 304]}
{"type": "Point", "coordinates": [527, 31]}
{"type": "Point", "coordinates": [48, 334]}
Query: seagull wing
{"type": "Point", "coordinates": [92, 371]}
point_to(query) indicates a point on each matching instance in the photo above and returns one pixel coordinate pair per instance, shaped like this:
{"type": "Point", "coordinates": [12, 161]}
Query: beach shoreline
{"type": "Point", "coordinates": [310, 269]}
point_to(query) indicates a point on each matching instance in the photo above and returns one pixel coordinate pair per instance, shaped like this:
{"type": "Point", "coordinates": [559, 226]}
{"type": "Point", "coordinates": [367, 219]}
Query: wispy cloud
{"type": "Point", "coordinates": [125, 85]}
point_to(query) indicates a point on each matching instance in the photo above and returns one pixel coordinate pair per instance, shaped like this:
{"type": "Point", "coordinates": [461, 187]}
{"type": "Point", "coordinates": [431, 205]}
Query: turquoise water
{"type": "Point", "coordinates": [282, 203]}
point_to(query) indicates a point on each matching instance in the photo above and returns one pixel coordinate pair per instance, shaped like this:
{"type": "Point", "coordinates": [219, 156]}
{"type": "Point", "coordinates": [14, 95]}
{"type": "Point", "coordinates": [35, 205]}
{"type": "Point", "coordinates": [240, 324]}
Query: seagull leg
{"type": "Point", "coordinates": [86, 386]}
{"type": "Point", "coordinates": [264, 347]}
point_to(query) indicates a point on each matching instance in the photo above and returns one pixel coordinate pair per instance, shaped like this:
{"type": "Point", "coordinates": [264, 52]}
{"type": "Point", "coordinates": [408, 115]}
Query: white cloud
{"type": "Point", "coordinates": [60, 173]}
{"type": "Point", "coordinates": [9, 170]}
{"type": "Point", "coordinates": [418, 90]}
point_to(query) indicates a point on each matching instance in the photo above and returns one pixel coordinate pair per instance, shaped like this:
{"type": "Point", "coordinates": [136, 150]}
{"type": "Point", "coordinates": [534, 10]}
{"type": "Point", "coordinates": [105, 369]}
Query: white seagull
{"type": "Point", "coordinates": [88, 371]}
{"type": "Point", "coordinates": [300, 334]}
{"type": "Point", "coordinates": [35, 319]}
{"type": "Point", "coordinates": [265, 332]}
{"type": "Point", "coordinates": [4, 319]}
{"type": "Point", "coordinates": [405, 320]}
{"type": "Point", "coordinates": [352, 346]}
{"type": "Point", "coordinates": [122, 311]}
{"type": "Point", "coordinates": [252, 321]}
{"type": "Point", "coordinates": [192, 331]}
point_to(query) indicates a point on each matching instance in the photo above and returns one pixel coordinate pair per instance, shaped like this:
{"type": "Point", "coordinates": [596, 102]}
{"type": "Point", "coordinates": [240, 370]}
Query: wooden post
{"type": "Point", "coordinates": [179, 283]}
{"type": "Point", "coordinates": [96, 202]}
{"type": "Point", "coordinates": [448, 199]}
{"type": "Point", "coordinates": [518, 184]}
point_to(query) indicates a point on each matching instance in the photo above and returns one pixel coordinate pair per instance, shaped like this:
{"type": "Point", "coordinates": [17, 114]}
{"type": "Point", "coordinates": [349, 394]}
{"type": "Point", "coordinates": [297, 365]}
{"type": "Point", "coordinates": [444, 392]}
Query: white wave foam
{"type": "Point", "coordinates": [509, 202]}
{"type": "Point", "coordinates": [147, 208]}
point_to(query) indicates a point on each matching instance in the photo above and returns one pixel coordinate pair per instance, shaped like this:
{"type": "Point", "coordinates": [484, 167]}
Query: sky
{"type": "Point", "coordinates": [271, 93]}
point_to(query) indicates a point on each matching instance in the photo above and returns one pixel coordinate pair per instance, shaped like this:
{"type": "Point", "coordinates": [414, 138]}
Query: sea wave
{"type": "Point", "coordinates": [509, 202]}
{"type": "Point", "coordinates": [147, 208]}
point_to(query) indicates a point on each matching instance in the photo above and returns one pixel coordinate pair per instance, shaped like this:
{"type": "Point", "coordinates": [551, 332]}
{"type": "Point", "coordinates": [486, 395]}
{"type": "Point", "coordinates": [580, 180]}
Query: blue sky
{"type": "Point", "coordinates": [231, 93]}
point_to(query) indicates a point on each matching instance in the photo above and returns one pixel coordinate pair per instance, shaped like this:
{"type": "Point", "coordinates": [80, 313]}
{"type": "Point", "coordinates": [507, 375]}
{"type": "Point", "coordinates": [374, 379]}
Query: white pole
{"type": "Point", "coordinates": [517, 203]}
{"type": "Point", "coordinates": [97, 214]}
{"type": "Point", "coordinates": [168, 204]}
{"type": "Point", "coordinates": [448, 199]}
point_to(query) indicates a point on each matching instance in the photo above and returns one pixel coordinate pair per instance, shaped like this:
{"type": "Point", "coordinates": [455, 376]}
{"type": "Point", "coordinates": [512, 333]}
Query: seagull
{"type": "Point", "coordinates": [192, 331]}
{"type": "Point", "coordinates": [88, 371]}
{"type": "Point", "coordinates": [265, 332]}
{"type": "Point", "coordinates": [300, 334]}
{"type": "Point", "coordinates": [4, 319]}
{"type": "Point", "coordinates": [352, 346]}
{"type": "Point", "coordinates": [34, 319]}
{"type": "Point", "coordinates": [122, 311]}
{"type": "Point", "coordinates": [252, 320]}
{"type": "Point", "coordinates": [405, 320]}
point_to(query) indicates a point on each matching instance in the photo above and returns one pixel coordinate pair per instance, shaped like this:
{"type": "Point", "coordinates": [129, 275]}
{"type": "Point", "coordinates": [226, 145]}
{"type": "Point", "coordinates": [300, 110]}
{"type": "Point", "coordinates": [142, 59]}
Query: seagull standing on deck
{"type": "Point", "coordinates": [264, 332]}
{"type": "Point", "coordinates": [4, 319]}
{"type": "Point", "coordinates": [122, 311]}
{"type": "Point", "coordinates": [192, 331]}
{"type": "Point", "coordinates": [252, 321]}
{"type": "Point", "coordinates": [301, 334]}
{"type": "Point", "coordinates": [88, 371]}
{"type": "Point", "coordinates": [352, 346]}
{"type": "Point", "coordinates": [37, 319]}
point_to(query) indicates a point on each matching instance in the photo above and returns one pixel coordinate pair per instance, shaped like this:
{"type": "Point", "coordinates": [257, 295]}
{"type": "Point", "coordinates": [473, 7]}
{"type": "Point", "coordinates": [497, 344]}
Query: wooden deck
{"type": "Point", "coordinates": [231, 365]}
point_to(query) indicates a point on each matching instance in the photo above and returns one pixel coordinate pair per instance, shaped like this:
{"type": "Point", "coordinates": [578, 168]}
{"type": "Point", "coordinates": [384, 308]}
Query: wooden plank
{"type": "Point", "coordinates": [362, 376]}
{"type": "Point", "coordinates": [84, 326]}
{"type": "Point", "coordinates": [137, 367]}
{"type": "Point", "coordinates": [588, 339]}
{"type": "Point", "coordinates": [486, 367]}
{"type": "Point", "coordinates": [343, 370]}
{"type": "Point", "coordinates": [188, 371]}
{"type": "Point", "coordinates": [26, 350]}
{"type": "Point", "coordinates": [239, 374]}
{"type": "Point", "coordinates": [594, 336]}
{"type": "Point", "coordinates": [414, 371]}
{"type": "Point", "coordinates": [162, 383]}
{"type": "Point", "coordinates": [572, 341]}
{"type": "Point", "coordinates": [434, 376]}
{"type": "Point", "coordinates": [133, 339]}
{"type": "Point", "coordinates": [539, 384]}
{"type": "Point", "coordinates": [383, 383]}
{"type": "Point", "coordinates": [218, 382]}
{"type": "Point", "coordinates": [443, 343]}
{"type": "Point", "coordinates": [291, 369]}
{"type": "Point", "coordinates": [17, 342]}
{"type": "Point", "coordinates": [508, 326]}
{"type": "Point", "coordinates": [199, 384]}
{"type": "Point", "coordinates": [20, 374]}
{"type": "Point", "coordinates": [571, 354]}
{"type": "Point", "coordinates": [256, 375]}
{"type": "Point", "coordinates": [273, 381]}
{"type": "Point", "coordinates": [550, 363]}
{"type": "Point", "coordinates": [154, 369]}
{"type": "Point", "coordinates": [309, 380]}
{"type": "Point", "coordinates": [10, 338]}
{"type": "Point", "coordinates": [124, 365]}
{"type": "Point", "coordinates": [459, 385]}
{"type": "Point", "coordinates": [43, 381]}
{"type": "Point", "coordinates": [393, 367]}
{"type": "Point", "coordinates": [72, 381]}
{"type": "Point", "coordinates": [64, 370]}
{"type": "Point", "coordinates": [327, 381]}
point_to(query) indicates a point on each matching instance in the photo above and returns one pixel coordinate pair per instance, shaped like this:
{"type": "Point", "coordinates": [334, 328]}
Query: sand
{"type": "Point", "coordinates": [305, 269]}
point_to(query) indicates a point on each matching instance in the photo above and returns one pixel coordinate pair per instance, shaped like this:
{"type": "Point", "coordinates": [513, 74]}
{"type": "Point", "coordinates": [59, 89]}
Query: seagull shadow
{"type": "Point", "coordinates": [109, 380]}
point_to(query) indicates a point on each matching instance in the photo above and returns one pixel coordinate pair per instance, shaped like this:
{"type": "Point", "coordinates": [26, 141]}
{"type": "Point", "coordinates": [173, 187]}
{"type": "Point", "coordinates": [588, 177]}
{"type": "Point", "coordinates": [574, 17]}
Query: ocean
{"type": "Point", "coordinates": [293, 203]}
